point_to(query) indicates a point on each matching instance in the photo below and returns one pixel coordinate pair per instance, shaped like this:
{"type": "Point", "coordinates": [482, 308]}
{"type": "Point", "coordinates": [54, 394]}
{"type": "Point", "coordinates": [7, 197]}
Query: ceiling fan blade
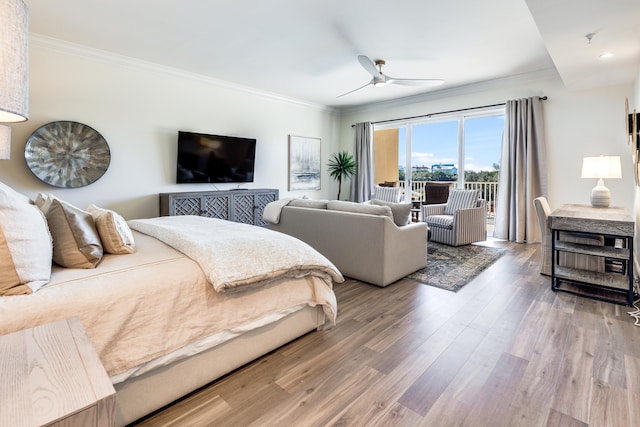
{"type": "Point", "coordinates": [368, 65]}
{"type": "Point", "coordinates": [355, 90]}
{"type": "Point", "coordinates": [414, 82]}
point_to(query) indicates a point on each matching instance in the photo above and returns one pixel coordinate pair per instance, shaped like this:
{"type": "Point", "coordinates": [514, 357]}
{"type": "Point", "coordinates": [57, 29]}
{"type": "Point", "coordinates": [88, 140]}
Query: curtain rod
{"type": "Point", "coordinates": [542, 98]}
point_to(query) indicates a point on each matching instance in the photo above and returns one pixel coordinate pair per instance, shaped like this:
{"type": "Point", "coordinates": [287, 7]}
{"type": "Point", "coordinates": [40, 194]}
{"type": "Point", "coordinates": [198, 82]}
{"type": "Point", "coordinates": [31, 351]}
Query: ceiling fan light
{"type": "Point", "coordinates": [379, 83]}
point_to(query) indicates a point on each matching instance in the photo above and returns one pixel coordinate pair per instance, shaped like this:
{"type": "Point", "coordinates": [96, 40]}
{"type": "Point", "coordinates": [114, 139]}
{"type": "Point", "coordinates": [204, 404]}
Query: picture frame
{"type": "Point", "coordinates": [627, 124]}
{"type": "Point", "coordinates": [634, 146]}
{"type": "Point", "coordinates": [304, 163]}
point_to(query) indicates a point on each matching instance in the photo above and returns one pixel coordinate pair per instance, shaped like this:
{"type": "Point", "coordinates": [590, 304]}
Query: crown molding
{"type": "Point", "coordinates": [68, 48]}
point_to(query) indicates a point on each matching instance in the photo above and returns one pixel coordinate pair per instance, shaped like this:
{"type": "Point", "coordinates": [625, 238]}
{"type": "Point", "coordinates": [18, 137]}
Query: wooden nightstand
{"type": "Point", "coordinates": [51, 375]}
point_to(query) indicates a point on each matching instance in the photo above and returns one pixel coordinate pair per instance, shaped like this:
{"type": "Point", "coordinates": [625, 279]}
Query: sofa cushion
{"type": "Point", "coordinates": [25, 244]}
{"type": "Point", "coordinates": [309, 203]}
{"type": "Point", "coordinates": [401, 211]}
{"type": "Point", "coordinates": [339, 205]}
{"type": "Point", "coordinates": [440, 221]}
{"type": "Point", "coordinates": [461, 199]}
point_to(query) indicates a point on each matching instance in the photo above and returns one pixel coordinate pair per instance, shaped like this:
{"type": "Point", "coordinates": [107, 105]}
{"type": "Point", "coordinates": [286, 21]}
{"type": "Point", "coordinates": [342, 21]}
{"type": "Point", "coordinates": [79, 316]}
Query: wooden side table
{"type": "Point", "coordinates": [616, 225]}
{"type": "Point", "coordinates": [51, 375]}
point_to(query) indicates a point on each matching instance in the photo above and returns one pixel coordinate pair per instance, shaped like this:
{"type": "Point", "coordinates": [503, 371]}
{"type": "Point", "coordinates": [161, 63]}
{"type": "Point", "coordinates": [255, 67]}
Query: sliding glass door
{"type": "Point", "coordinates": [460, 149]}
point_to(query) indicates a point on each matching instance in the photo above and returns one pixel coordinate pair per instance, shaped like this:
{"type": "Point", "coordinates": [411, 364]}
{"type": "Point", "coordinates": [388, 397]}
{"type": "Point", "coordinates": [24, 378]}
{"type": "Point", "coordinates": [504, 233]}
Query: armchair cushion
{"type": "Point", "coordinates": [440, 221]}
{"type": "Point", "coordinates": [388, 194]}
{"type": "Point", "coordinates": [461, 199]}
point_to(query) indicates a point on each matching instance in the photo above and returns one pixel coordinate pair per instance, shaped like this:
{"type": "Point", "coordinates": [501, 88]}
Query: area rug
{"type": "Point", "coordinates": [451, 268]}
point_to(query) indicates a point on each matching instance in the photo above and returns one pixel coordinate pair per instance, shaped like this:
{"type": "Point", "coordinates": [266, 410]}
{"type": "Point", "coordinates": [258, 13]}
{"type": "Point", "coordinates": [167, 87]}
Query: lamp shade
{"type": "Point", "coordinates": [601, 167]}
{"type": "Point", "coordinates": [5, 142]}
{"type": "Point", "coordinates": [14, 61]}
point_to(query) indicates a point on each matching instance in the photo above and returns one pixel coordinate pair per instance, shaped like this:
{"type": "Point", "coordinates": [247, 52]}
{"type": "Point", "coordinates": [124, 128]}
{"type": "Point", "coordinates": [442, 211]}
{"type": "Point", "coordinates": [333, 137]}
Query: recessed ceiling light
{"type": "Point", "coordinates": [606, 55]}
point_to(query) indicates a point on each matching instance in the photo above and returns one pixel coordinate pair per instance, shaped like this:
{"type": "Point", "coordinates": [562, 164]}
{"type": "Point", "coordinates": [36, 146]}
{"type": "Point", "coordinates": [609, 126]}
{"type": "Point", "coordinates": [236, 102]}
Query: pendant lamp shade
{"type": "Point", "coordinates": [14, 61]}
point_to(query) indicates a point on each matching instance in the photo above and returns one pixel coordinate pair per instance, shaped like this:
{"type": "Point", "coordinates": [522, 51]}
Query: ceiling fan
{"type": "Point", "coordinates": [381, 79]}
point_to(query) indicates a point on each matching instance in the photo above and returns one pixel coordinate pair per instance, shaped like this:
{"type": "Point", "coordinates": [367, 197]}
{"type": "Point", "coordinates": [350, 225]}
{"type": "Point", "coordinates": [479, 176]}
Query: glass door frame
{"type": "Point", "coordinates": [459, 116]}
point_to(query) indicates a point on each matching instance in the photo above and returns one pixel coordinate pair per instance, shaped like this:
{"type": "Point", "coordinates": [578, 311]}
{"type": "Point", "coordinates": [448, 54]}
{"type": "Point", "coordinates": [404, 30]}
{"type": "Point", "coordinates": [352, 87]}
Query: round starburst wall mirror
{"type": "Point", "coordinates": [67, 154]}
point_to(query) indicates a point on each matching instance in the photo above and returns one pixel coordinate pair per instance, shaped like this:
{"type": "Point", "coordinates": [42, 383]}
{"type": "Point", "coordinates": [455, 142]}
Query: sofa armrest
{"type": "Point", "coordinates": [405, 251]}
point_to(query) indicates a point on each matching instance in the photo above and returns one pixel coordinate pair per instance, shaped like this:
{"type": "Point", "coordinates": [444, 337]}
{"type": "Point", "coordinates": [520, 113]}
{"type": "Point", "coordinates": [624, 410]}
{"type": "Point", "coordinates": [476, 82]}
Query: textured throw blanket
{"type": "Point", "coordinates": [235, 256]}
{"type": "Point", "coordinates": [271, 212]}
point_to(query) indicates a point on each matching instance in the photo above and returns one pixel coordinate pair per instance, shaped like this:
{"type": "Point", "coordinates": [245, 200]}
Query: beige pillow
{"type": "Point", "coordinates": [25, 244]}
{"type": "Point", "coordinates": [401, 211]}
{"type": "Point", "coordinates": [115, 234]}
{"type": "Point", "coordinates": [309, 203]}
{"type": "Point", "coordinates": [76, 242]}
{"type": "Point", "coordinates": [339, 205]}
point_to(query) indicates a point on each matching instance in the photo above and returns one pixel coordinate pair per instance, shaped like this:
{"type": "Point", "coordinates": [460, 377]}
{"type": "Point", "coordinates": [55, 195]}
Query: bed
{"type": "Point", "coordinates": [182, 309]}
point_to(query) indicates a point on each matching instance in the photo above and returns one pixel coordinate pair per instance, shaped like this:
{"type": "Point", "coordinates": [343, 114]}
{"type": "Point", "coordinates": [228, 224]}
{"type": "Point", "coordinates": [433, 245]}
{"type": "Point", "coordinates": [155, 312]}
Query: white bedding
{"type": "Point", "coordinates": [140, 307]}
{"type": "Point", "coordinates": [235, 256]}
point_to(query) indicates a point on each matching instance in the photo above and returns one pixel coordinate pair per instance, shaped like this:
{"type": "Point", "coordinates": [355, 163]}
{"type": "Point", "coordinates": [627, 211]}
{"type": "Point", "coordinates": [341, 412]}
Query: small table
{"type": "Point", "coordinates": [51, 375]}
{"type": "Point", "coordinates": [416, 208]}
{"type": "Point", "coordinates": [616, 225]}
{"type": "Point", "coordinates": [415, 215]}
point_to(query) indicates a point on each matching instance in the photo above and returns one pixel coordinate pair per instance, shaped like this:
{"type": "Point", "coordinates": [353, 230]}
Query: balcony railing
{"type": "Point", "coordinates": [488, 191]}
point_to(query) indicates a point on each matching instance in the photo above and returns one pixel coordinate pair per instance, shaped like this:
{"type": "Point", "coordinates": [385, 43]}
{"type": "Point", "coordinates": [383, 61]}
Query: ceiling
{"type": "Point", "coordinates": [307, 50]}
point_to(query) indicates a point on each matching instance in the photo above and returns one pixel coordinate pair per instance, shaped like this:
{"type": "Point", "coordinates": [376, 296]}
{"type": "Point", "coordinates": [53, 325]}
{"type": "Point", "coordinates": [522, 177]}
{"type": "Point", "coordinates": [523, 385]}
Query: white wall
{"type": "Point", "coordinates": [139, 109]}
{"type": "Point", "coordinates": [577, 124]}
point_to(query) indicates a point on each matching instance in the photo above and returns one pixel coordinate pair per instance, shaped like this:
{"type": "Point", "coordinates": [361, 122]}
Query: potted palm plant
{"type": "Point", "coordinates": [341, 166]}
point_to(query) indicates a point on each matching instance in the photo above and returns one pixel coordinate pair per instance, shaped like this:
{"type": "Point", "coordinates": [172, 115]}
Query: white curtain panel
{"type": "Point", "coordinates": [523, 172]}
{"type": "Point", "coordinates": [362, 181]}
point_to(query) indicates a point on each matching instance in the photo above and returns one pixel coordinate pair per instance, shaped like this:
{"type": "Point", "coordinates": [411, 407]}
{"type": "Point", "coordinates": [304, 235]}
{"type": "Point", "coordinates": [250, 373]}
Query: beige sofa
{"type": "Point", "coordinates": [362, 241]}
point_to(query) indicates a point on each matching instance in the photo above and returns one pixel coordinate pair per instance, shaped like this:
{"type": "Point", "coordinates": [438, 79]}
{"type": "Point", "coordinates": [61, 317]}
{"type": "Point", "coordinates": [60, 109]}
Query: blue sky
{"type": "Point", "coordinates": [437, 142]}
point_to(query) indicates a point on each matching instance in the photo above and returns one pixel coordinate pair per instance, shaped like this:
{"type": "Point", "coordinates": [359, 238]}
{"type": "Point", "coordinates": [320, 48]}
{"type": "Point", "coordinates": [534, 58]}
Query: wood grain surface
{"type": "Point", "coordinates": [51, 374]}
{"type": "Point", "coordinates": [503, 351]}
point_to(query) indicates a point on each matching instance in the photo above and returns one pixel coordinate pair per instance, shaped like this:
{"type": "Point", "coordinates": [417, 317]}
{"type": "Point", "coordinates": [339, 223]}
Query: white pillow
{"type": "Point", "coordinates": [25, 244]}
{"type": "Point", "coordinates": [114, 231]}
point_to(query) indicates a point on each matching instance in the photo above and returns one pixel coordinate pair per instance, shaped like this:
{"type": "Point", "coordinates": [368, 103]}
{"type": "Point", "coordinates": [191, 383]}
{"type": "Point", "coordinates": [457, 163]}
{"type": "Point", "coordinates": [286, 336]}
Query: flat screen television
{"type": "Point", "coordinates": [214, 158]}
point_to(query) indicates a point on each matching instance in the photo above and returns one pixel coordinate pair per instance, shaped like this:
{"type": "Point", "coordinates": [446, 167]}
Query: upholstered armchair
{"type": "Point", "coordinates": [460, 221]}
{"type": "Point", "coordinates": [566, 259]}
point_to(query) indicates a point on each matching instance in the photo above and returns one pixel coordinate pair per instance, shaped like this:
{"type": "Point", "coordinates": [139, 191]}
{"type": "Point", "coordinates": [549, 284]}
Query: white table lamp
{"type": "Point", "coordinates": [601, 167]}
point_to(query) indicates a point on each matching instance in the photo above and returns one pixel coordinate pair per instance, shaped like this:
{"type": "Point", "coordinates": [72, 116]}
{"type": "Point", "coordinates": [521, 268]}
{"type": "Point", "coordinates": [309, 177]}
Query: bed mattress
{"type": "Point", "coordinates": [155, 306]}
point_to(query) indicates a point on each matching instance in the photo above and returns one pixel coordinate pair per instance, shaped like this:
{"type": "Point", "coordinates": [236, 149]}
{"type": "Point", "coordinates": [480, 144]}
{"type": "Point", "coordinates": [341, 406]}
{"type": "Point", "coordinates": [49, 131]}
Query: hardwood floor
{"type": "Point", "coordinates": [503, 351]}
